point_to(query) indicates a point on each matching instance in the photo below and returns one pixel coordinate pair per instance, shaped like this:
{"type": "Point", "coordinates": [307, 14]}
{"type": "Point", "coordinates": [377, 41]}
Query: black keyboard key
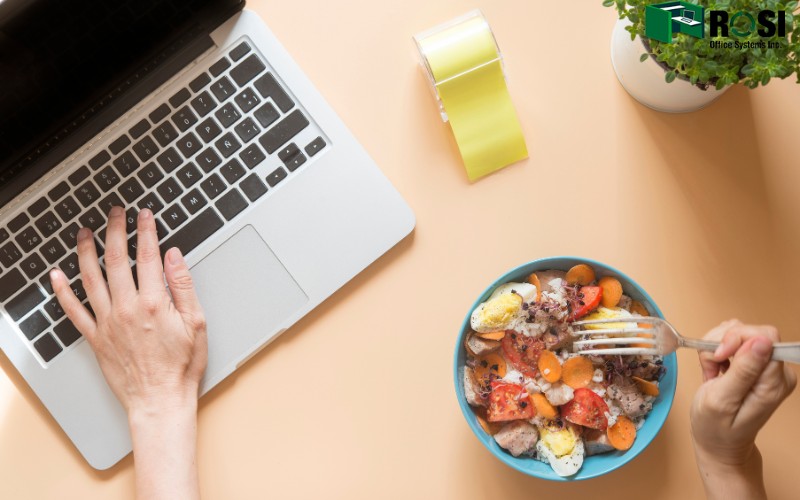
{"type": "Point", "coordinates": [77, 289]}
{"type": "Point", "coordinates": [126, 164]}
{"type": "Point", "coordinates": [232, 171]}
{"type": "Point", "coordinates": [285, 129]}
{"type": "Point", "coordinates": [131, 190]}
{"type": "Point", "coordinates": [189, 144]}
{"type": "Point", "coordinates": [10, 254]}
{"type": "Point", "coordinates": [247, 99]}
{"type": "Point", "coordinates": [67, 208]}
{"type": "Point", "coordinates": [208, 130]}
{"type": "Point", "coordinates": [110, 201]}
{"type": "Point", "coordinates": [195, 232]}
{"type": "Point", "coordinates": [288, 152]}
{"type": "Point", "coordinates": [231, 204]}
{"type": "Point", "coordinates": [247, 70]}
{"type": "Point", "coordinates": [103, 157]}
{"type": "Point", "coordinates": [54, 310]}
{"type": "Point", "coordinates": [18, 222]}
{"type": "Point", "coordinates": [239, 51]}
{"type": "Point", "coordinates": [203, 104]}
{"type": "Point", "coordinates": [247, 130]}
{"type": "Point", "coordinates": [28, 239]}
{"type": "Point", "coordinates": [87, 194]}
{"type": "Point", "coordinates": [107, 178]}
{"type": "Point", "coordinates": [184, 118]}
{"type": "Point", "coordinates": [193, 201]}
{"type": "Point", "coordinates": [252, 156]}
{"type": "Point", "coordinates": [266, 114]}
{"type": "Point", "coordinates": [170, 160]}
{"type": "Point", "coordinates": [222, 89]}
{"type": "Point", "coordinates": [159, 113]}
{"type": "Point", "coordinates": [69, 235]}
{"type": "Point", "coordinates": [92, 219]}
{"type": "Point", "coordinates": [150, 175]}
{"type": "Point", "coordinates": [77, 176]}
{"type": "Point", "coordinates": [57, 192]}
{"type": "Point", "coordinates": [53, 250]}
{"type": "Point", "coordinates": [189, 175]}
{"type": "Point", "coordinates": [146, 148]}
{"type": "Point", "coordinates": [151, 202]}
{"type": "Point", "coordinates": [70, 266]}
{"type": "Point", "coordinates": [38, 206]}
{"type": "Point", "coordinates": [47, 347]}
{"type": "Point", "coordinates": [131, 216]}
{"type": "Point", "coordinates": [315, 146]}
{"type": "Point", "coordinates": [213, 186]}
{"type": "Point", "coordinates": [268, 86]}
{"type": "Point", "coordinates": [35, 324]}
{"type": "Point", "coordinates": [115, 147]}
{"type": "Point", "coordinates": [253, 187]}
{"type": "Point", "coordinates": [10, 283]}
{"type": "Point", "coordinates": [32, 266]}
{"type": "Point", "coordinates": [4, 235]}
{"type": "Point", "coordinates": [169, 190]}
{"type": "Point", "coordinates": [67, 333]}
{"type": "Point", "coordinates": [45, 282]}
{"type": "Point", "coordinates": [23, 303]}
{"type": "Point", "coordinates": [161, 230]}
{"type": "Point", "coordinates": [165, 133]}
{"type": "Point", "coordinates": [276, 176]}
{"type": "Point", "coordinates": [219, 67]}
{"type": "Point", "coordinates": [174, 216]}
{"type": "Point", "coordinates": [139, 129]}
{"type": "Point", "coordinates": [132, 241]}
{"type": "Point", "coordinates": [48, 224]}
{"type": "Point", "coordinates": [228, 115]}
{"type": "Point", "coordinates": [179, 97]}
{"type": "Point", "coordinates": [228, 144]}
{"type": "Point", "coordinates": [201, 81]}
{"type": "Point", "coordinates": [208, 160]}
{"type": "Point", "coordinates": [295, 161]}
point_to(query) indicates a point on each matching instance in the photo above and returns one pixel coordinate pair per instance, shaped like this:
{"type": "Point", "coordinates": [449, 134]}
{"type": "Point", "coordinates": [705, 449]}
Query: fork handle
{"type": "Point", "coordinates": [781, 351]}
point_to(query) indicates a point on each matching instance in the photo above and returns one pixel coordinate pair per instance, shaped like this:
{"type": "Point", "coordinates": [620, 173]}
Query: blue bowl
{"type": "Point", "coordinates": [596, 465]}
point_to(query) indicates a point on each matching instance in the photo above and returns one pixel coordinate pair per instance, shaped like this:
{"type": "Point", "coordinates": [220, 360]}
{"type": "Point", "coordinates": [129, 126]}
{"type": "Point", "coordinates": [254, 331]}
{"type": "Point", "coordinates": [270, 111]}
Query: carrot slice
{"type": "Point", "coordinates": [488, 427]}
{"type": "Point", "coordinates": [549, 366]}
{"type": "Point", "coordinates": [491, 363]}
{"type": "Point", "coordinates": [581, 274]}
{"type": "Point", "coordinates": [622, 434]}
{"type": "Point", "coordinates": [577, 372]}
{"type": "Point", "coordinates": [639, 308]}
{"type": "Point", "coordinates": [647, 387]}
{"type": "Point", "coordinates": [612, 291]}
{"type": "Point", "coordinates": [543, 406]}
{"type": "Point", "coordinates": [534, 280]}
{"type": "Point", "coordinates": [492, 335]}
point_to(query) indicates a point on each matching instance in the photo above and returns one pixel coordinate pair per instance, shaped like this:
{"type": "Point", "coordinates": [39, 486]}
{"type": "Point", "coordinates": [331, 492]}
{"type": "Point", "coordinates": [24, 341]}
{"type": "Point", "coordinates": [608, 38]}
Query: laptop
{"type": "Point", "coordinates": [192, 109]}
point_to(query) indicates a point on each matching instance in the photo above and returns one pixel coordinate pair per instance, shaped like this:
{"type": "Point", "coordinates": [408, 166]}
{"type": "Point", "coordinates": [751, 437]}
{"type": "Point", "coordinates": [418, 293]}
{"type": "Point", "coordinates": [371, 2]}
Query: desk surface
{"type": "Point", "coordinates": [702, 209]}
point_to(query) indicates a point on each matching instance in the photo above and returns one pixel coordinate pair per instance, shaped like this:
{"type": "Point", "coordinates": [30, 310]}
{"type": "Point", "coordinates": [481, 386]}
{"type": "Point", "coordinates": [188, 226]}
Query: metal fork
{"type": "Point", "coordinates": [663, 339]}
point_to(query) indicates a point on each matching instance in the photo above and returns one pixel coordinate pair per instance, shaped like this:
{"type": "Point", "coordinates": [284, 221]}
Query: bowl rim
{"type": "Point", "coordinates": [545, 264]}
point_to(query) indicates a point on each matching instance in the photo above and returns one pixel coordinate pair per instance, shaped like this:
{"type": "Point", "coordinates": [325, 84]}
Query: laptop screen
{"type": "Point", "coordinates": [60, 57]}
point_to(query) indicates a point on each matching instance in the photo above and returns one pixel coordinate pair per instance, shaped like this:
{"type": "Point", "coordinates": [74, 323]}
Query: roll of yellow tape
{"type": "Point", "coordinates": [465, 69]}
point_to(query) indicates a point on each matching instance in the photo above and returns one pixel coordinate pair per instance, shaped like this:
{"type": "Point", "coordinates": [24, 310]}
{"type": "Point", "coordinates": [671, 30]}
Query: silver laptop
{"type": "Point", "coordinates": [193, 109]}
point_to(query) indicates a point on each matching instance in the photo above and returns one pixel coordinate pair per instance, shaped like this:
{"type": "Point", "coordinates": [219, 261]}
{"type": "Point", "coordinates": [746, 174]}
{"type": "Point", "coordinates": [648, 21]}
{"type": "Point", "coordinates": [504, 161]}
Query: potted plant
{"type": "Point", "coordinates": [689, 71]}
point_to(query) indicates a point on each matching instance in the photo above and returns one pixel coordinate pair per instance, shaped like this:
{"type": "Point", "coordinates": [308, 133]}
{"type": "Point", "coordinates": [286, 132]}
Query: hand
{"type": "Point", "coordinates": [734, 402]}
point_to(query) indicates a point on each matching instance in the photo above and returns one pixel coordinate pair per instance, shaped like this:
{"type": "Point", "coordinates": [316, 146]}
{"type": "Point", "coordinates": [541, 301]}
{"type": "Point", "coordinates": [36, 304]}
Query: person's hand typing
{"type": "Point", "coordinates": [151, 347]}
{"type": "Point", "coordinates": [741, 390]}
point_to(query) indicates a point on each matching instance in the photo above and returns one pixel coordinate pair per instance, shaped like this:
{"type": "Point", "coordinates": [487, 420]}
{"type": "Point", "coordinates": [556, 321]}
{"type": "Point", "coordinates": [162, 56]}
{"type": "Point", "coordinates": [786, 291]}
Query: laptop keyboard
{"type": "Point", "coordinates": [197, 161]}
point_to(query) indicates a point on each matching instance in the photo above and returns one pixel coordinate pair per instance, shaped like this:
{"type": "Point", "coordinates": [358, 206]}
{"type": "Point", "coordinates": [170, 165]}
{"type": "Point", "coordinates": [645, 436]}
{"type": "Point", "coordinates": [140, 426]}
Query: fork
{"type": "Point", "coordinates": [663, 339]}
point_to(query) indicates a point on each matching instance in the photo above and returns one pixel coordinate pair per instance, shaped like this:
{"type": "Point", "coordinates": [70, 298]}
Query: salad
{"type": "Point", "coordinates": [536, 397]}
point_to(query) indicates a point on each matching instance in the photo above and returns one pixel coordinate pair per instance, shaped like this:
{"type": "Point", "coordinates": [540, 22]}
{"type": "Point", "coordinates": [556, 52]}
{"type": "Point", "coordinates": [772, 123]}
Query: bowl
{"type": "Point", "coordinates": [596, 465]}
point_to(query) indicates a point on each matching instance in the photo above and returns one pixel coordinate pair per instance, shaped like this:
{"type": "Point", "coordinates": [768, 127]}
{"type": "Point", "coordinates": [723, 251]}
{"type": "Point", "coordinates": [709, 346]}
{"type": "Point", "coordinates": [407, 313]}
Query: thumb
{"type": "Point", "coordinates": [746, 367]}
{"type": "Point", "coordinates": [181, 286]}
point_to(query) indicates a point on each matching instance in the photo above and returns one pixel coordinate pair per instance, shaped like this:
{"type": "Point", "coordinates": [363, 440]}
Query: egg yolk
{"type": "Point", "coordinates": [498, 312]}
{"type": "Point", "coordinates": [560, 442]}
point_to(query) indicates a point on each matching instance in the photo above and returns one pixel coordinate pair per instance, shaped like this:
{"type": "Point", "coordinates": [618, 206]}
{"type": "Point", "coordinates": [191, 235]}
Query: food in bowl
{"type": "Point", "coordinates": [537, 398]}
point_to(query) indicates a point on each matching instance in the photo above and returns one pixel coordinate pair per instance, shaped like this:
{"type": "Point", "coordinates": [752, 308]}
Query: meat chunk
{"type": "Point", "coordinates": [646, 368]}
{"type": "Point", "coordinates": [481, 346]}
{"type": "Point", "coordinates": [471, 389]}
{"type": "Point", "coordinates": [518, 437]}
{"type": "Point", "coordinates": [559, 394]}
{"type": "Point", "coordinates": [546, 277]}
{"type": "Point", "coordinates": [558, 336]}
{"type": "Point", "coordinates": [596, 442]}
{"type": "Point", "coordinates": [629, 398]}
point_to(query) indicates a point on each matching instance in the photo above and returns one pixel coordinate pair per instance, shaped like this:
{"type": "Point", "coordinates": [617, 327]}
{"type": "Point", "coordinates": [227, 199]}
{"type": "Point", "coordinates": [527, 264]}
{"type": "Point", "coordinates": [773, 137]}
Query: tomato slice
{"type": "Point", "coordinates": [586, 408]}
{"type": "Point", "coordinates": [522, 352]}
{"type": "Point", "coordinates": [509, 402]}
{"type": "Point", "coordinates": [589, 301]}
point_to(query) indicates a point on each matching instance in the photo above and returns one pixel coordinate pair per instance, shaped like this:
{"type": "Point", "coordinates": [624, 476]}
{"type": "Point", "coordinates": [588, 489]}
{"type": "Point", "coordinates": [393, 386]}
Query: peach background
{"type": "Point", "coordinates": [702, 209]}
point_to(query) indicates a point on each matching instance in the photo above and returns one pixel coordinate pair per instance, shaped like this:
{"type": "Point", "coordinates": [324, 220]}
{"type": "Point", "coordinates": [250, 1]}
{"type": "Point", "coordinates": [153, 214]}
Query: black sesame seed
{"type": "Point", "coordinates": [523, 404]}
{"type": "Point", "coordinates": [484, 363]}
{"type": "Point", "coordinates": [495, 367]}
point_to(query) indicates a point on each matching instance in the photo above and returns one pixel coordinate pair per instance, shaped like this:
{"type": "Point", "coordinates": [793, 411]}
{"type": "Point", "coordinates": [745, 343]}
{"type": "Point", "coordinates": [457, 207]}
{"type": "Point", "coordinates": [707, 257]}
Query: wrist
{"type": "Point", "coordinates": [731, 476]}
{"type": "Point", "coordinates": [163, 405]}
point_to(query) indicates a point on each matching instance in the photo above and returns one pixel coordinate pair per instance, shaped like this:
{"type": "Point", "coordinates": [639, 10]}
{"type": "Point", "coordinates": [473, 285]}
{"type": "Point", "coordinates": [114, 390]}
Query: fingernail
{"type": "Point", "coordinates": [145, 214]}
{"type": "Point", "coordinates": [53, 275]}
{"type": "Point", "coordinates": [175, 257]}
{"type": "Point", "coordinates": [762, 346]}
{"type": "Point", "coordinates": [115, 211]}
{"type": "Point", "coordinates": [718, 352]}
{"type": "Point", "coordinates": [83, 233]}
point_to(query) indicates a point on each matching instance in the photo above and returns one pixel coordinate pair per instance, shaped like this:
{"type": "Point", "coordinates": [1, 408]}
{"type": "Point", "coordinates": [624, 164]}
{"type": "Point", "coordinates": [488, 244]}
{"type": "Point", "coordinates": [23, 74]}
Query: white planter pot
{"type": "Point", "coordinates": [645, 82]}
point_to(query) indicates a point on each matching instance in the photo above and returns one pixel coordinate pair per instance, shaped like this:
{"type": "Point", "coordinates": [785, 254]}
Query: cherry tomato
{"type": "Point", "coordinates": [522, 352]}
{"type": "Point", "coordinates": [586, 408]}
{"type": "Point", "coordinates": [589, 300]}
{"type": "Point", "coordinates": [509, 402]}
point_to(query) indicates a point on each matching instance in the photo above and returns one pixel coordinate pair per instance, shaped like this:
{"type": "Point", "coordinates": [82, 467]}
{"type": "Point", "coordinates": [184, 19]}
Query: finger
{"type": "Point", "coordinates": [746, 367]}
{"type": "Point", "coordinates": [120, 278]}
{"type": "Point", "coordinates": [91, 274]}
{"type": "Point", "coordinates": [708, 363]}
{"type": "Point", "coordinates": [148, 255]}
{"type": "Point", "coordinates": [181, 286]}
{"type": "Point", "coordinates": [737, 335]}
{"type": "Point", "coordinates": [75, 311]}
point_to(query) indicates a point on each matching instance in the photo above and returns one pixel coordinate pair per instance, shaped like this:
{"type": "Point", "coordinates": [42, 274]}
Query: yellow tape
{"type": "Point", "coordinates": [465, 69]}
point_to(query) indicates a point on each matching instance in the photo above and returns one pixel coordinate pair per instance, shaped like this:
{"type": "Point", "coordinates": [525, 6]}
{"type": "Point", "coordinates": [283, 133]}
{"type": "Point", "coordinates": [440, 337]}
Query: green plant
{"type": "Point", "coordinates": [697, 61]}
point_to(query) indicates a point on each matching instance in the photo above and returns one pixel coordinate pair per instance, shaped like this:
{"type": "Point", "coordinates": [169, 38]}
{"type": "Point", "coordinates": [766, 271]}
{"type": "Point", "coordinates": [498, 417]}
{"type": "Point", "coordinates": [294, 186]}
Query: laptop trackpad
{"type": "Point", "coordinates": [247, 295]}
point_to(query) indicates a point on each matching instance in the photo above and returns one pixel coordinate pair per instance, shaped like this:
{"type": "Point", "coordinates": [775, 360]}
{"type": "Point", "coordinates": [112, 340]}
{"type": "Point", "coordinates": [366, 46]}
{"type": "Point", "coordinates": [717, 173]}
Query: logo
{"type": "Point", "coordinates": [663, 20]}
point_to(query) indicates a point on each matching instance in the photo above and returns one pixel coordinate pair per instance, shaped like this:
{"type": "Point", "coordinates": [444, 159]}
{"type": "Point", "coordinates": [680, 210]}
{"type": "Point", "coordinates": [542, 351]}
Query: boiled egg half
{"type": "Point", "coordinates": [501, 307]}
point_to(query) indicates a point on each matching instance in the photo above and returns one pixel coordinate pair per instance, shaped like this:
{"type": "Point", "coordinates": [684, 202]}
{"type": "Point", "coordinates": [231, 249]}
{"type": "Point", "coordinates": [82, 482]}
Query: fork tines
{"type": "Point", "coordinates": [615, 338]}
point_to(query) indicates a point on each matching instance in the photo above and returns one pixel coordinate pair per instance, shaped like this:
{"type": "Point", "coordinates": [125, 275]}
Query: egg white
{"type": "Point", "coordinates": [566, 465]}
